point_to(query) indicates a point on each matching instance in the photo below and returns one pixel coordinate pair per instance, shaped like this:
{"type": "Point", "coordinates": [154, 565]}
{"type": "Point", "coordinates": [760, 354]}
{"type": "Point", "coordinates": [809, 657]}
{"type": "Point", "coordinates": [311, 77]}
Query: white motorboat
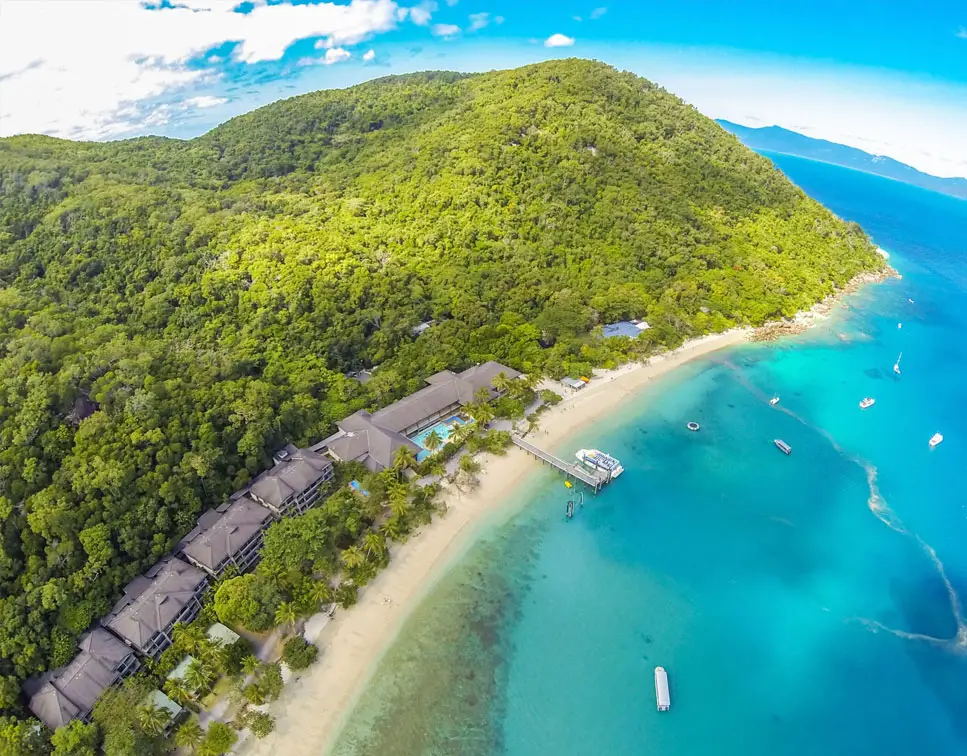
{"type": "Point", "coordinates": [774, 401]}
{"type": "Point", "coordinates": [935, 439]}
{"type": "Point", "coordinates": [896, 365]}
{"type": "Point", "coordinates": [598, 460]}
{"type": "Point", "coordinates": [662, 695]}
{"type": "Point", "coordinates": [867, 401]}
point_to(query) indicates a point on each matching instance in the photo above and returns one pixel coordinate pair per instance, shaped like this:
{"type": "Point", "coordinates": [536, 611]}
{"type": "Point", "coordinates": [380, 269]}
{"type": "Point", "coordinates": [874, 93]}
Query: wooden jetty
{"type": "Point", "coordinates": [594, 480]}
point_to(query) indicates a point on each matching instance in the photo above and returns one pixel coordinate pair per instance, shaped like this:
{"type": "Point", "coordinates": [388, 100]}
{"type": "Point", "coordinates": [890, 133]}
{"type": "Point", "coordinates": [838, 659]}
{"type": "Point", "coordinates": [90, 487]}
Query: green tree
{"type": "Point", "coordinates": [270, 681]}
{"type": "Point", "coordinates": [286, 614]}
{"type": "Point", "coordinates": [353, 557]}
{"type": "Point", "coordinates": [198, 677]}
{"type": "Point", "coordinates": [218, 740]}
{"type": "Point", "coordinates": [190, 735]}
{"type": "Point", "coordinates": [250, 601]}
{"type": "Point", "coordinates": [75, 739]}
{"type": "Point", "coordinates": [259, 723]}
{"type": "Point", "coordinates": [22, 738]}
{"type": "Point", "coordinates": [153, 718]}
{"type": "Point", "coordinates": [374, 545]}
{"type": "Point", "coordinates": [433, 441]}
{"type": "Point", "coordinates": [298, 653]}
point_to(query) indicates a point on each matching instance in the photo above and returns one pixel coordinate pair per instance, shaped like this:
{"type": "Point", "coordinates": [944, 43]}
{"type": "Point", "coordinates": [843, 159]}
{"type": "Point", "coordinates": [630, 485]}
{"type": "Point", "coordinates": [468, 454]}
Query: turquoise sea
{"type": "Point", "coordinates": [802, 605]}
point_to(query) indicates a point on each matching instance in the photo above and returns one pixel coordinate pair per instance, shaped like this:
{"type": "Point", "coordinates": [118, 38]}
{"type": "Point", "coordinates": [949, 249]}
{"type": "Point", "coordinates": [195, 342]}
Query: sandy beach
{"type": "Point", "coordinates": [314, 706]}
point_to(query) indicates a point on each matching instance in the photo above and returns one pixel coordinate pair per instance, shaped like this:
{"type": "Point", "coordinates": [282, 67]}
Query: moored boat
{"type": "Point", "coordinates": [782, 446]}
{"type": "Point", "coordinates": [935, 439]}
{"type": "Point", "coordinates": [774, 401]}
{"type": "Point", "coordinates": [598, 460]}
{"type": "Point", "coordinates": [868, 401]}
{"type": "Point", "coordinates": [896, 365]}
{"type": "Point", "coordinates": [692, 426]}
{"type": "Point", "coordinates": [662, 695]}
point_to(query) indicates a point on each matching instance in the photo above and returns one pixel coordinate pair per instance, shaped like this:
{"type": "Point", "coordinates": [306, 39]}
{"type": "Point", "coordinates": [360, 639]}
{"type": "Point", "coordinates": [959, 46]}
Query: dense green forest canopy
{"type": "Point", "coordinates": [206, 297]}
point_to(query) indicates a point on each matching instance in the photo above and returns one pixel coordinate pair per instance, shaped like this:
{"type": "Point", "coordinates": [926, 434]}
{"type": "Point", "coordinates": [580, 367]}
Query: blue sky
{"type": "Point", "coordinates": [887, 77]}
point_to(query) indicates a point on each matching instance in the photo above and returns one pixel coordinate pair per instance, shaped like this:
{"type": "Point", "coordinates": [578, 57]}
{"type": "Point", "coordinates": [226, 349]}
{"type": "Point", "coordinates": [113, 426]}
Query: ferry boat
{"type": "Point", "coordinates": [868, 401]}
{"type": "Point", "coordinates": [935, 439]}
{"type": "Point", "coordinates": [661, 689]}
{"type": "Point", "coordinates": [598, 460]}
{"type": "Point", "coordinates": [782, 446]}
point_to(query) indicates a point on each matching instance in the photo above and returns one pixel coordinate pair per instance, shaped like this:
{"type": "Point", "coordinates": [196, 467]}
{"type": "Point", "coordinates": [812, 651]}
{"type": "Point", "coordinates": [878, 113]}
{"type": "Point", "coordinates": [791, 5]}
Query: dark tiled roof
{"type": "Point", "coordinates": [360, 438]}
{"type": "Point", "coordinates": [72, 691]}
{"type": "Point", "coordinates": [151, 603]}
{"type": "Point", "coordinates": [290, 477]}
{"type": "Point", "coordinates": [221, 532]}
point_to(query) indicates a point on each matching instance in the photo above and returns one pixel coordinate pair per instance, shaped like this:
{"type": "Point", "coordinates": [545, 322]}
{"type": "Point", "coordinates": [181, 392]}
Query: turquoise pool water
{"type": "Point", "coordinates": [444, 429]}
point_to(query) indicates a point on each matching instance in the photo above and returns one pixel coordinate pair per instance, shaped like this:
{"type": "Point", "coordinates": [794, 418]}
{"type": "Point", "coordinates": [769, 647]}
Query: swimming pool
{"type": "Point", "coordinates": [444, 429]}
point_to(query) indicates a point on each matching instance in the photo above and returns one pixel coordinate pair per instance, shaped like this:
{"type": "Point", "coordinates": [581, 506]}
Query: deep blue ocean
{"type": "Point", "coordinates": [802, 605]}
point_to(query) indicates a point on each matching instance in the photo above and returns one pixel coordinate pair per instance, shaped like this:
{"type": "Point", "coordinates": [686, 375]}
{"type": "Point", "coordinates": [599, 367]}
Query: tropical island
{"type": "Point", "coordinates": [175, 313]}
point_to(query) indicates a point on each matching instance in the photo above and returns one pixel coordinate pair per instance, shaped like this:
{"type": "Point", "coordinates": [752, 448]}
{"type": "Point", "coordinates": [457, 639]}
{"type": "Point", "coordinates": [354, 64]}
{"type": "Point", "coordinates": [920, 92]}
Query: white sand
{"type": "Point", "coordinates": [313, 707]}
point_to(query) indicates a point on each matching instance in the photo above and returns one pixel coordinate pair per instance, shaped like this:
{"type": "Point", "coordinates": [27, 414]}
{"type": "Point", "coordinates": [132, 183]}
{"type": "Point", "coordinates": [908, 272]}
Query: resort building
{"type": "Point", "coordinates": [168, 593]}
{"type": "Point", "coordinates": [293, 484]}
{"type": "Point", "coordinates": [71, 692]}
{"type": "Point", "coordinates": [229, 536]}
{"type": "Point", "coordinates": [374, 438]}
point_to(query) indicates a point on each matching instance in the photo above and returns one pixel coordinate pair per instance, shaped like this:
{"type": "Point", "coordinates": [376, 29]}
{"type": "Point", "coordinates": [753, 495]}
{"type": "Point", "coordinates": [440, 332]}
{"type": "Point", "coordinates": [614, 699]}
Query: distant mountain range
{"type": "Point", "coordinates": [777, 139]}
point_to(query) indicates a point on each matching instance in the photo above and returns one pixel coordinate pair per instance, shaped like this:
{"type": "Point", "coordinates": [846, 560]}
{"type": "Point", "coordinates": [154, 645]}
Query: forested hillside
{"type": "Point", "coordinates": [206, 297]}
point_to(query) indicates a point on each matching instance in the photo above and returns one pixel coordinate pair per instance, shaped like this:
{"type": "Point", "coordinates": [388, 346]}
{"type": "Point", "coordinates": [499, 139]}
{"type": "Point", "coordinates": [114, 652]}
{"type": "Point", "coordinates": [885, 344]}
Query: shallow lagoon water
{"type": "Point", "coordinates": [802, 605]}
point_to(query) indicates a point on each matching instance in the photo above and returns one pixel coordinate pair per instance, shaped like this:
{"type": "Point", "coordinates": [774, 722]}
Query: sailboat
{"type": "Point", "coordinates": [896, 365]}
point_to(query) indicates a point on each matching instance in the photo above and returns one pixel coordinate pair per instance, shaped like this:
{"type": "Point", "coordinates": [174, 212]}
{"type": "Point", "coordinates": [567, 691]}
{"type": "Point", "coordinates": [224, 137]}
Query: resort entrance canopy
{"type": "Point", "coordinates": [374, 438]}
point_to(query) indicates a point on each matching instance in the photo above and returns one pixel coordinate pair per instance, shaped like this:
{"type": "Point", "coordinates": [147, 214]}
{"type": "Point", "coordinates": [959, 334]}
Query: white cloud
{"type": "Point", "coordinates": [478, 21]}
{"type": "Point", "coordinates": [498, 20]}
{"type": "Point", "coordinates": [205, 101]}
{"type": "Point", "coordinates": [558, 40]}
{"type": "Point", "coordinates": [422, 13]}
{"type": "Point", "coordinates": [85, 68]}
{"type": "Point", "coordinates": [369, 55]}
{"type": "Point", "coordinates": [597, 13]}
{"type": "Point", "coordinates": [335, 55]}
{"type": "Point", "coordinates": [451, 3]}
{"type": "Point", "coordinates": [962, 32]}
{"type": "Point", "coordinates": [577, 18]}
{"type": "Point", "coordinates": [445, 30]}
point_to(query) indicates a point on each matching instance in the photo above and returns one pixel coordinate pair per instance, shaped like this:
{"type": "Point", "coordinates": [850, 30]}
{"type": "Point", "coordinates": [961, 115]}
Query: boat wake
{"type": "Point", "coordinates": [879, 507]}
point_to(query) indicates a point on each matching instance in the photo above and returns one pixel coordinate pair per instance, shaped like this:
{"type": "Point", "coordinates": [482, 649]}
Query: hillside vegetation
{"type": "Point", "coordinates": [209, 295]}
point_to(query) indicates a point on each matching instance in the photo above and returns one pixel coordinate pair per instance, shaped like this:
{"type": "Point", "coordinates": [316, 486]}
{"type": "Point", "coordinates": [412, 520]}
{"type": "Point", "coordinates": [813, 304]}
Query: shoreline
{"type": "Point", "coordinates": [314, 706]}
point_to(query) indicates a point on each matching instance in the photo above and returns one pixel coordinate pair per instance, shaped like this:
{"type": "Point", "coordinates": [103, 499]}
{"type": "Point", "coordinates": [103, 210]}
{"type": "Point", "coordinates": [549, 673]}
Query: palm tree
{"type": "Point", "coordinates": [482, 395]}
{"type": "Point", "coordinates": [469, 465]}
{"type": "Point", "coordinates": [353, 557]}
{"type": "Point", "coordinates": [180, 693]}
{"type": "Point", "coordinates": [501, 382]}
{"type": "Point", "coordinates": [433, 441]}
{"type": "Point", "coordinates": [198, 676]}
{"type": "Point", "coordinates": [190, 638]}
{"type": "Point", "coordinates": [399, 500]}
{"type": "Point", "coordinates": [153, 718]}
{"type": "Point", "coordinates": [394, 528]}
{"type": "Point", "coordinates": [249, 664]}
{"type": "Point", "coordinates": [285, 614]}
{"type": "Point", "coordinates": [483, 413]}
{"type": "Point", "coordinates": [189, 735]}
{"type": "Point", "coordinates": [321, 592]}
{"type": "Point", "coordinates": [403, 459]}
{"type": "Point", "coordinates": [374, 544]}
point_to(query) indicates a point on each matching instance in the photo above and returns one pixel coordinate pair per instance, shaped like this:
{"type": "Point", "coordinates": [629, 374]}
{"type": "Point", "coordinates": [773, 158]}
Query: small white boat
{"type": "Point", "coordinates": [692, 426]}
{"type": "Point", "coordinates": [782, 446]}
{"type": "Point", "coordinates": [867, 401]}
{"type": "Point", "coordinates": [910, 301]}
{"type": "Point", "coordinates": [774, 401]}
{"type": "Point", "coordinates": [899, 325]}
{"type": "Point", "coordinates": [935, 439]}
{"type": "Point", "coordinates": [896, 365]}
{"type": "Point", "coordinates": [662, 695]}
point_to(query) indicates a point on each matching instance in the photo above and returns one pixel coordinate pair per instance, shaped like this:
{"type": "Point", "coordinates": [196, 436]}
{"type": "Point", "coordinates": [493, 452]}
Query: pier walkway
{"type": "Point", "coordinates": [589, 478]}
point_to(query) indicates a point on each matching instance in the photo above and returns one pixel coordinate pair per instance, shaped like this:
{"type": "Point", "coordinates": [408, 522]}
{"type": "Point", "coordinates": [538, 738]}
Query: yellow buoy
{"type": "Point", "coordinates": [567, 483]}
